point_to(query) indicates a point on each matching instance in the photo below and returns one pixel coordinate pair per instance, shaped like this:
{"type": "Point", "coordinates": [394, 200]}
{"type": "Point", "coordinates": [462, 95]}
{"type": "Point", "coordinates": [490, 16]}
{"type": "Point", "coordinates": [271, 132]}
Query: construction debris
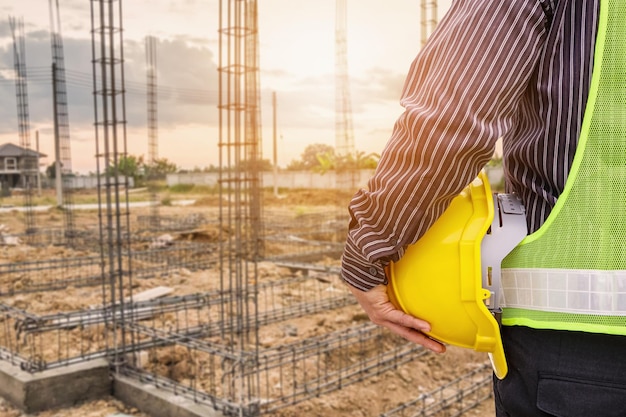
{"type": "Point", "coordinates": [6, 238]}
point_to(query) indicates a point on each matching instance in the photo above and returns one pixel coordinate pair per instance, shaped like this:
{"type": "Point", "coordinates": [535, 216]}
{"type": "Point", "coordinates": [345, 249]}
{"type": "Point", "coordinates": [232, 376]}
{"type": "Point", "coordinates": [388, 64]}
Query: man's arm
{"type": "Point", "coordinates": [460, 96]}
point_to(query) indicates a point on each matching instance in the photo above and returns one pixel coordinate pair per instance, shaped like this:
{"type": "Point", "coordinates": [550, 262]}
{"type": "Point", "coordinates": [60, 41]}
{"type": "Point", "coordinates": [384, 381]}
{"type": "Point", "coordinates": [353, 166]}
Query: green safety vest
{"type": "Point", "coordinates": [571, 273]}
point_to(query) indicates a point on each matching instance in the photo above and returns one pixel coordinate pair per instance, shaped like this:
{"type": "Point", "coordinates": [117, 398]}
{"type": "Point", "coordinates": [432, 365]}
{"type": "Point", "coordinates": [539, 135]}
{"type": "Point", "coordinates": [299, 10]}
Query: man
{"type": "Point", "coordinates": [520, 70]}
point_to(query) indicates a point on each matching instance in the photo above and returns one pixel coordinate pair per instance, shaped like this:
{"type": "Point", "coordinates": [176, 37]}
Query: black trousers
{"type": "Point", "coordinates": [563, 374]}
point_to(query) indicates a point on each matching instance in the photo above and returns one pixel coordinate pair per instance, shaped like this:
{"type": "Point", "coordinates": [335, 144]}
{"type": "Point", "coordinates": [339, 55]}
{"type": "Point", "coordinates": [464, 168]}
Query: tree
{"type": "Point", "coordinates": [322, 158]}
{"type": "Point", "coordinates": [310, 156]}
{"type": "Point", "coordinates": [366, 161]}
{"type": "Point", "coordinates": [326, 162]}
{"type": "Point", "coordinates": [261, 165]}
{"type": "Point", "coordinates": [51, 171]}
{"type": "Point", "coordinates": [358, 160]}
{"type": "Point", "coordinates": [159, 168]}
{"type": "Point", "coordinates": [129, 166]}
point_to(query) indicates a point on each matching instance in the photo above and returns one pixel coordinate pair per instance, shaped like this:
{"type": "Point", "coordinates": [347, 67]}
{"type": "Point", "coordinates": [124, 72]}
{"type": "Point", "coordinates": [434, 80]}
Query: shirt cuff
{"type": "Point", "coordinates": [360, 273]}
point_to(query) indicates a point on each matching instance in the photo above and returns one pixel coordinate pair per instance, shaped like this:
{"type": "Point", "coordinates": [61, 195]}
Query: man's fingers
{"type": "Point", "coordinates": [415, 336]}
{"type": "Point", "coordinates": [378, 307]}
{"type": "Point", "coordinates": [385, 311]}
{"type": "Point", "coordinates": [406, 320]}
{"type": "Point", "coordinates": [409, 327]}
{"type": "Point", "coordinates": [382, 312]}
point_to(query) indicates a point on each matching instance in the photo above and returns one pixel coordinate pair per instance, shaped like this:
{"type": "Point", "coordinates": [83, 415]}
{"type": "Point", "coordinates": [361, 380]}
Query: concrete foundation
{"type": "Point", "coordinates": [157, 403]}
{"type": "Point", "coordinates": [67, 386]}
{"type": "Point", "coordinates": [55, 388]}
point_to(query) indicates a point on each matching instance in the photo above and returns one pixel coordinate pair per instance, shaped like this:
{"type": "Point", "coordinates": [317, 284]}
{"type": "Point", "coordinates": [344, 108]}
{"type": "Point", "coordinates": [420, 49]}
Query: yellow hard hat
{"type": "Point", "coordinates": [439, 278]}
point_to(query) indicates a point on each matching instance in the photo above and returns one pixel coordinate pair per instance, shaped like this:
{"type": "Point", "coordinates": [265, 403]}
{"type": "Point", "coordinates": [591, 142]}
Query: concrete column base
{"type": "Point", "coordinates": [156, 402]}
{"type": "Point", "coordinates": [69, 385]}
{"type": "Point", "coordinates": [55, 388]}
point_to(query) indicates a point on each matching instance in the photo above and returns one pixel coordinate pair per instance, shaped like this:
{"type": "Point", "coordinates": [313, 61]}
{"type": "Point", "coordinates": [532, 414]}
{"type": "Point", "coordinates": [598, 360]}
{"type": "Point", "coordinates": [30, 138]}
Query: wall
{"type": "Point", "coordinates": [284, 179]}
{"type": "Point", "coordinates": [80, 182]}
{"type": "Point", "coordinates": [298, 179]}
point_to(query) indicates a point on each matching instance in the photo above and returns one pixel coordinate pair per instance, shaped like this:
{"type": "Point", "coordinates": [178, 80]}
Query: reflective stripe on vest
{"type": "Point", "coordinates": [567, 290]}
{"type": "Point", "coordinates": [570, 274]}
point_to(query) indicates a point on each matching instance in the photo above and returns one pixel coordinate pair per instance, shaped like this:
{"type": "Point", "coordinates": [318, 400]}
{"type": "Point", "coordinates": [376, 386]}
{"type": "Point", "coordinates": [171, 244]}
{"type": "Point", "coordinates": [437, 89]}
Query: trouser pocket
{"type": "Point", "coordinates": [562, 396]}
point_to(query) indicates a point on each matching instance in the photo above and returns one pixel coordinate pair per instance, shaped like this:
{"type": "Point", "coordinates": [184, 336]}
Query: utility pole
{"type": "Point", "coordinates": [38, 166]}
{"type": "Point", "coordinates": [275, 160]}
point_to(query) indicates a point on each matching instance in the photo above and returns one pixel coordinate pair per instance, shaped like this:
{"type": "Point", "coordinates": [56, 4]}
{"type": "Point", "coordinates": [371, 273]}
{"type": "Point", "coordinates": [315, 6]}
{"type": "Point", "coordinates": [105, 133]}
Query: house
{"type": "Point", "coordinates": [19, 166]}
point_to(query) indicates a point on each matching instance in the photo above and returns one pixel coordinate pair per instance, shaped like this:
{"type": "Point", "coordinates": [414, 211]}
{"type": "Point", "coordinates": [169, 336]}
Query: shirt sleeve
{"type": "Point", "coordinates": [460, 96]}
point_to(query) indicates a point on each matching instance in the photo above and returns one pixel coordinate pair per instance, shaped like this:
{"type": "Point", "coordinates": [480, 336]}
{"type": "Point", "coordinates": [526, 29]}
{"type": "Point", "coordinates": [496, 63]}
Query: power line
{"type": "Point", "coordinates": [83, 80]}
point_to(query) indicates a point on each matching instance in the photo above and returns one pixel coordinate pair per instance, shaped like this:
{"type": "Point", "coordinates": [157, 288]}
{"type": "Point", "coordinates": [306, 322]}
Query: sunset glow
{"type": "Point", "coordinates": [297, 58]}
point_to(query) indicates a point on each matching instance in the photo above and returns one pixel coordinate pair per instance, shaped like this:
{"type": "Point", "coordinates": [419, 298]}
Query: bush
{"type": "Point", "coordinates": [182, 188]}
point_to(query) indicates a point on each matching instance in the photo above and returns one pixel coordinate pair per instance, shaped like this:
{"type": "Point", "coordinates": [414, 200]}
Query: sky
{"type": "Point", "coordinates": [297, 62]}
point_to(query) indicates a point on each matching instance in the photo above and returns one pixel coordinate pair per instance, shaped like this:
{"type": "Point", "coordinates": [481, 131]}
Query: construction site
{"type": "Point", "coordinates": [231, 305]}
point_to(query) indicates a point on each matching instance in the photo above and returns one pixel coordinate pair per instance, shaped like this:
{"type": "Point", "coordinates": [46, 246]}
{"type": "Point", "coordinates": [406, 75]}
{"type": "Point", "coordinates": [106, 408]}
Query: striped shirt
{"type": "Point", "coordinates": [519, 70]}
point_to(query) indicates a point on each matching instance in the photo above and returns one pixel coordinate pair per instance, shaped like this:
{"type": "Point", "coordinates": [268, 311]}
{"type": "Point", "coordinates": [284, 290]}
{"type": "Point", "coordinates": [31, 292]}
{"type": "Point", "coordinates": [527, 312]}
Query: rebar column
{"type": "Point", "coordinates": [240, 192]}
{"type": "Point", "coordinates": [345, 161]}
{"type": "Point", "coordinates": [153, 149]}
{"type": "Point", "coordinates": [27, 164]}
{"type": "Point", "coordinates": [110, 137]}
{"type": "Point", "coordinates": [428, 18]}
{"type": "Point", "coordinates": [344, 134]}
{"type": "Point", "coordinates": [63, 167]}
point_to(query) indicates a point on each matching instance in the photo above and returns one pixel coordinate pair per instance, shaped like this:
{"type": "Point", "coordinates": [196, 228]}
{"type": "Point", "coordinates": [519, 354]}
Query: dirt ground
{"type": "Point", "coordinates": [368, 398]}
{"type": "Point", "coordinates": [107, 407]}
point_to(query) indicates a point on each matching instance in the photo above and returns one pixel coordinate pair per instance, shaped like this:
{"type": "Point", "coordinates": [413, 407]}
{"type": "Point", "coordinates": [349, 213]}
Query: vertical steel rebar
{"type": "Point", "coordinates": [63, 157]}
{"type": "Point", "coordinates": [428, 19]}
{"type": "Point", "coordinates": [345, 158]}
{"type": "Point", "coordinates": [153, 148]}
{"type": "Point", "coordinates": [240, 190]}
{"type": "Point", "coordinates": [26, 158]}
{"type": "Point", "coordinates": [114, 221]}
{"type": "Point", "coordinates": [344, 134]}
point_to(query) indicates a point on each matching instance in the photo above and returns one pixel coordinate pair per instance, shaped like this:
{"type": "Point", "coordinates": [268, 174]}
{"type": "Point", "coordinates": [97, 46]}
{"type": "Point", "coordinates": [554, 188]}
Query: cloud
{"type": "Point", "coordinates": [309, 102]}
{"type": "Point", "coordinates": [377, 85]}
{"type": "Point", "coordinates": [37, 69]}
{"type": "Point", "coordinates": [186, 78]}
{"type": "Point", "coordinates": [5, 29]}
{"type": "Point", "coordinates": [188, 88]}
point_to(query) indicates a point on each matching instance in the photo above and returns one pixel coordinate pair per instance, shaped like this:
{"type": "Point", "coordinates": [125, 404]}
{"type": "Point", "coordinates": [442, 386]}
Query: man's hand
{"type": "Point", "coordinates": [377, 306]}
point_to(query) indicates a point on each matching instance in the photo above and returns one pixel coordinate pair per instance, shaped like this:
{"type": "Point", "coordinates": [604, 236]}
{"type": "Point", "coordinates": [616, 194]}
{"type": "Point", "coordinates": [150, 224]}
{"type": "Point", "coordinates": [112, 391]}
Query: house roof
{"type": "Point", "coordinates": [12, 150]}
